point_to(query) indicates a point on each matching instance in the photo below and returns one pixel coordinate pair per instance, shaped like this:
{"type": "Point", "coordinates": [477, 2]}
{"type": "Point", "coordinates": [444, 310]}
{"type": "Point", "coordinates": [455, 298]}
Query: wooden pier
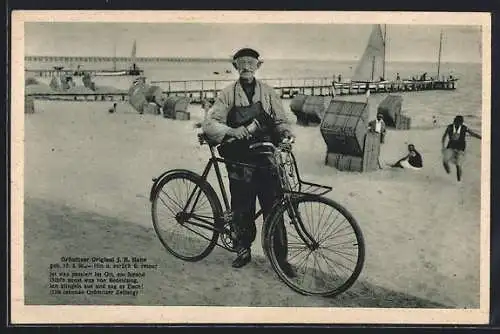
{"type": "Point", "coordinates": [83, 97]}
{"type": "Point", "coordinates": [49, 73]}
{"type": "Point", "coordinates": [198, 90]}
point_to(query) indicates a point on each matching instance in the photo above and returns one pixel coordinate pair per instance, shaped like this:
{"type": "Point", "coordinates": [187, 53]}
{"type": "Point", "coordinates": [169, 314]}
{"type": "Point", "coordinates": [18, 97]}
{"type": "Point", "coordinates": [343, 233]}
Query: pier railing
{"type": "Point", "coordinates": [198, 90]}
{"type": "Point", "coordinates": [284, 87]}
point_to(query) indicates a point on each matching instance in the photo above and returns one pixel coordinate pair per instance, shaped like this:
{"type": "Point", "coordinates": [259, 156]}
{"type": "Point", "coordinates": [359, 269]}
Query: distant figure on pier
{"type": "Point", "coordinates": [113, 109]}
{"type": "Point", "coordinates": [413, 160]}
{"type": "Point", "coordinates": [87, 81]}
{"type": "Point", "coordinates": [249, 111]}
{"type": "Point", "coordinates": [339, 78]}
{"type": "Point", "coordinates": [454, 151]}
{"type": "Point", "coordinates": [398, 78]}
{"type": "Point", "coordinates": [78, 72]}
{"type": "Point", "coordinates": [378, 126]}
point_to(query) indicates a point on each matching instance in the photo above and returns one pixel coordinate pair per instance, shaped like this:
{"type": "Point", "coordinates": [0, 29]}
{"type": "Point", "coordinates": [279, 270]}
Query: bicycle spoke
{"type": "Point", "coordinates": [324, 274]}
{"type": "Point", "coordinates": [166, 205]}
{"type": "Point", "coordinates": [296, 243]}
{"type": "Point", "coordinates": [337, 263]}
{"type": "Point", "coordinates": [353, 243]}
{"type": "Point", "coordinates": [298, 253]}
{"type": "Point", "coordinates": [329, 268]}
{"type": "Point", "coordinates": [305, 265]}
{"type": "Point", "coordinates": [334, 229]}
{"type": "Point", "coordinates": [343, 255]}
{"type": "Point", "coordinates": [303, 260]}
{"type": "Point", "coordinates": [317, 236]}
{"type": "Point", "coordinates": [174, 188]}
{"type": "Point", "coordinates": [333, 236]}
{"type": "Point", "coordinates": [327, 220]}
{"type": "Point", "coordinates": [172, 200]}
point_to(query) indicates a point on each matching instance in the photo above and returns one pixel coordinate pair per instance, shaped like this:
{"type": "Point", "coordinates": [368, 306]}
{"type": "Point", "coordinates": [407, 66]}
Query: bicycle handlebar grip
{"type": "Point", "coordinates": [265, 144]}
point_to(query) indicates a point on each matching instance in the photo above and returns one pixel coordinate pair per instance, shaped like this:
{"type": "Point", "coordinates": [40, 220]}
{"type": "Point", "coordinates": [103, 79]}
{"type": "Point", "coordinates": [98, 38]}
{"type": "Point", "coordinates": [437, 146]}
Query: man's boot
{"type": "Point", "coordinates": [243, 257]}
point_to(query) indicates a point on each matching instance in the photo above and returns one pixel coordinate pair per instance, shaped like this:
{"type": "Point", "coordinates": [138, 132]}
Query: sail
{"type": "Point", "coordinates": [134, 50]}
{"type": "Point", "coordinates": [371, 65]}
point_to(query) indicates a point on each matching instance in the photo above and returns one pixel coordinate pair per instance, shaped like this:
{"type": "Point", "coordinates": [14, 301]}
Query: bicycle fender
{"type": "Point", "coordinates": [156, 181]}
{"type": "Point", "coordinates": [265, 225]}
{"type": "Point", "coordinates": [274, 215]}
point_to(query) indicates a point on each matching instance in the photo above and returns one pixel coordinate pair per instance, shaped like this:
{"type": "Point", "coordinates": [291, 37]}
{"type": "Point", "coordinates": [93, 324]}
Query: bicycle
{"type": "Point", "coordinates": [213, 227]}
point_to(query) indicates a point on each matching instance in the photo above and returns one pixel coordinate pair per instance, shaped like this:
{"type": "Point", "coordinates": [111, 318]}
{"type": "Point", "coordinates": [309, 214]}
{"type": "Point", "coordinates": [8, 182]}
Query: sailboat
{"type": "Point", "coordinates": [371, 67]}
{"type": "Point", "coordinates": [133, 70]}
{"type": "Point", "coordinates": [370, 71]}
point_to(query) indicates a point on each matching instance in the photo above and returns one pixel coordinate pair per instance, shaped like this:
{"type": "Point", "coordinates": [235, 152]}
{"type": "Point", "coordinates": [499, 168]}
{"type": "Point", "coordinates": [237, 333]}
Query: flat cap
{"type": "Point", "coordinates": [246, 52]}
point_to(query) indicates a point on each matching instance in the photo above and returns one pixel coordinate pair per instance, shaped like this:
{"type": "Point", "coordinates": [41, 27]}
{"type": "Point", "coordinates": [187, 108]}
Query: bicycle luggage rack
{"type": "Point", "coordinates": [312, 188]}
{"type": "Point", "coordinates": [304, 187]}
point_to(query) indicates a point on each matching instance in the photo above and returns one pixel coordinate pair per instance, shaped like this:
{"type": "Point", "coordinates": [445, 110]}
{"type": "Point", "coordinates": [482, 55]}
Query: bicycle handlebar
{"type": "Point", "coordinates": [283, 146]}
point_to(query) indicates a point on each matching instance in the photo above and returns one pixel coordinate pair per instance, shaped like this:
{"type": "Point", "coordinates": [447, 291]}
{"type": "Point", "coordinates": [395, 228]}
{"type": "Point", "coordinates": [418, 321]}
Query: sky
{"type": "Point", "coordinates": [273, 41]}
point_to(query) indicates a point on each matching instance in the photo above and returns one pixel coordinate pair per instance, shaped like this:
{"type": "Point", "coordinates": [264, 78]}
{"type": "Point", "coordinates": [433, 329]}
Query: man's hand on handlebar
{"type": "Point", "coordinates": [239, 133]}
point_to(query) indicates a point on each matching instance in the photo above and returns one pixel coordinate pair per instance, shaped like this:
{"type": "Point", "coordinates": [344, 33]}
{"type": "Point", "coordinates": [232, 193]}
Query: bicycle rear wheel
{"type": "Point", "coordinates": [185, 211]}
{"type": "Point", "coordinates": [324, 246]}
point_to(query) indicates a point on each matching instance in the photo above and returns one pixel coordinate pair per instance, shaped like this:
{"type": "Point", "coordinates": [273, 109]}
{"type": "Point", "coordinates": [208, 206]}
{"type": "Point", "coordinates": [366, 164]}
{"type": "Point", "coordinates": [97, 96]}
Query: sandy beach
{"type": "Point", "coordinates": [421, 228]}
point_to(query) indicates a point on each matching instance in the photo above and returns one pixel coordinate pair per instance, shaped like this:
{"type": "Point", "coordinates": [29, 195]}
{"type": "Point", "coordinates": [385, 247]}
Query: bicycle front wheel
{"type": "Point", "coordinates": [185, 211]}
{"type": "Point", "coordinates": [315, 246]}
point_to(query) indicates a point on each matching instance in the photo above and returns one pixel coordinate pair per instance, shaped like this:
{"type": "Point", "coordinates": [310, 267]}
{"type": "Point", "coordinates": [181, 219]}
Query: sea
{"type": "Point", "coordinates": [426, 108]}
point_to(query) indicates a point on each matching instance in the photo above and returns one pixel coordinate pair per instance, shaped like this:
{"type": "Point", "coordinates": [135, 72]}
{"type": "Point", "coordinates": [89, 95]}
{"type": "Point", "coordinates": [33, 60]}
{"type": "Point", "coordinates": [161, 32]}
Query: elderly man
{"type": "Point", "coordinates": [237, 106]}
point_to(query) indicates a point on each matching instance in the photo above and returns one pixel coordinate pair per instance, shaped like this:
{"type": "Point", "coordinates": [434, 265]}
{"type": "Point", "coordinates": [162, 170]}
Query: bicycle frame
{"type": "Point", "coordinates": [214, 161]}
{"type": "Point", "coordinates": [282, 200]}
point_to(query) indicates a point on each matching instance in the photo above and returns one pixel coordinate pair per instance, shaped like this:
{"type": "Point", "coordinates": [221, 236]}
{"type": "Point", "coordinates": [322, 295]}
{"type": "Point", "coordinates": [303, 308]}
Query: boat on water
{"type": "Point", "coordinates": [132, 71]}
{"type": "Point", "coordinates": [111, 73]}
{"type": "Point", "coordinates": [370, 71]}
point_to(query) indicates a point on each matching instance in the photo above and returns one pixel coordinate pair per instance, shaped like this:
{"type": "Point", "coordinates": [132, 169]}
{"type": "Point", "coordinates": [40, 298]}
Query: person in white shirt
{"type": "Point", "coordinates": [378, 126]}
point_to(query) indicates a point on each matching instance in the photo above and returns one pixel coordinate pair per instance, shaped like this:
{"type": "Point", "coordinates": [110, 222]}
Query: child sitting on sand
{"type": "Point", "coordinates": [413, 160]}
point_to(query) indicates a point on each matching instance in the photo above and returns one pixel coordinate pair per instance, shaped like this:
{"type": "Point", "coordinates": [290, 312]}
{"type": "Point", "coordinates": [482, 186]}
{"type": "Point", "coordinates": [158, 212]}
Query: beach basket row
{"type": "Point", "coordinates": [390, 108]}
{"type": "Point", "coordinates": [403, 122]}
{"type": "Point", "coordinates": [148, 99]}
{"type": "Point", "coordinates": [309, 109]}
{"type": "Point", "coordinates": [175, 107]}
{"type": "Point", "coordinates": [368, 162]}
